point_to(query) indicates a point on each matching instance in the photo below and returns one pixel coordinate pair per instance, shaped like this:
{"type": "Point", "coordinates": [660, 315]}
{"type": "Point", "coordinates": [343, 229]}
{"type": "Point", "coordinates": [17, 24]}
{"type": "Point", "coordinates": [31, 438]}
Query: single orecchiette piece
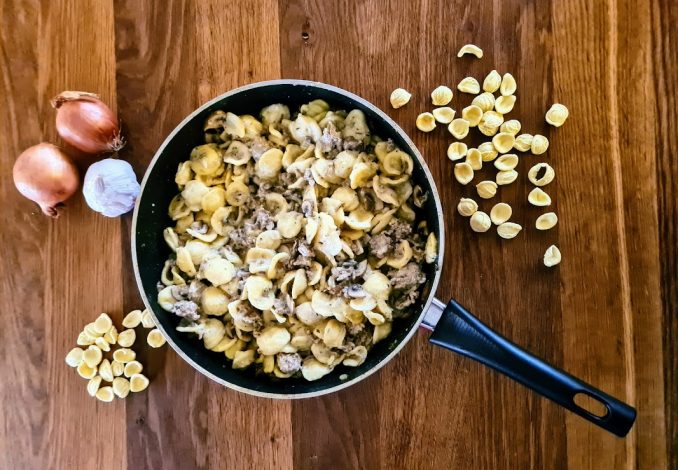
{"type": "Point", "coordinates": [469, 85]}
{"type": "Point", "coordinates": [457, 151]}
{"type": "Point", "coordinates": [463, 173]}
{"type": "Point", "coordinates": [508, 85]}
{"type": "Point", "coordinates": [503, 142]}
{"type": "Point", "coordinates": [487, 151]}
{"type": "Point", "coordinates": [467, 207]}
{"type": "Point", "coordinates": [546, 221]}
{"type": "Point", "coordinates": [492, 82]}
{"type": "Point", "coordinates": [552, 256]}
{"type": "Point", "coordinates": [470, 49]}
{"type": "Point", "coordinates": [441, 96]}
{"type": "Point", "coordinates": [474, 158]}
{"type": "Point", "coordinates": [426, 122]}
{"type": "Point", "coordinates": [523, 142]}
{"type": "Point", "coordinates": [443, 115]}
{"type": "Point", "coordinates": [500, 213]}
{"type": "Point", "coordinates": [480, 222]}
{"type": "Point", "coordinates": [508, 230]}
{"type": "Point", "coordinates": [505, 177]}
{"type": "Point", "coordinates": [539, 144]}
{"type": "Point", "coordinates": [486, 189]}
{"type": "Point", "coordinates": [557, 115]}
{"type": "Point", "coordinates": [506, 162]}
{"type": "Point", "coordinates": [539, 198]}
{"type": "Point", "coordinates": [541, 174]}
{"type": "Point", "coordinates": [472, 114]}
{"type": "Point", "coordinates": [459, 128]}
{"type": "Point", "coordinates": [484, 101]}
{"type": "Point", "coordinates": [505, 104]}
{"type": "Point", "coordinates": [512, 127]}
{"type": "Point", "coordinates": [400, 97]}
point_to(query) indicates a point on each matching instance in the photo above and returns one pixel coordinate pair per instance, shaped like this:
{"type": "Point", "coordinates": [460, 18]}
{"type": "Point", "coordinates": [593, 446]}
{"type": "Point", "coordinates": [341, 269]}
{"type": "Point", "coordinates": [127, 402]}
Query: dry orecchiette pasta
{"type": "Point", "coordinates": [492, 82]}
{"type": "Point", "coordinates": [295, 241]}
{"type": "Point", "coordinates": [470, 49]}
{"type": "Point", "coordinates": [400, 97]}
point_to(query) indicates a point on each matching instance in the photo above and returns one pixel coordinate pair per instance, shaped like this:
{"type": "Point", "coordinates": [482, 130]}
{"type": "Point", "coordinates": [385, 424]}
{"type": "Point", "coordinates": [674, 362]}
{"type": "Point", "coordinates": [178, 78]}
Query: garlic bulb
{"type": "Point", "coordinates": [111, 187]}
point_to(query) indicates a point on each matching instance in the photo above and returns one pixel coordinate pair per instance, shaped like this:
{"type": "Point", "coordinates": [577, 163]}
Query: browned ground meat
{"type": "Point", "coordinates": [179, 292]}
{"type": "Point", "coordinates": [379, 245]}
{"type": "Point", "coordinates": [407, 277]}
{"type": "Point", "coordinates": [288, 363]}
{"type": "Point", "coordinates": [186, 309]}
{"type": "Point", "coordinates": [258, 146]}
{"type": "Point", "coordinates": [302, 254]}
{"type": "Point", "coordinates": [283, 306]}
{"type": "Point", "coordinates": [398, 229]}
{"type": "Point", "coordinates": [331, 139]}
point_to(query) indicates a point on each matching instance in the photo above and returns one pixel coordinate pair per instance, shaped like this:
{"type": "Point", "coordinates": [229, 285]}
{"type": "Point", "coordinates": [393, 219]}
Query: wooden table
{"type": "Point", "coordinates": [606, 314]}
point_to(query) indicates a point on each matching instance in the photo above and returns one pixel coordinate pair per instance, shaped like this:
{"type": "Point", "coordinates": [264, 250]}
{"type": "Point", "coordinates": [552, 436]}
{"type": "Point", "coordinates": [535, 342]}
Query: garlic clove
{"type": "Point", "coordinates": [111, 187]}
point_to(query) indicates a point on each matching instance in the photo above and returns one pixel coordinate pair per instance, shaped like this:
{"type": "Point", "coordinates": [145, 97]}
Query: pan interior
{"type": "Point", "coordinates": [151, 218]}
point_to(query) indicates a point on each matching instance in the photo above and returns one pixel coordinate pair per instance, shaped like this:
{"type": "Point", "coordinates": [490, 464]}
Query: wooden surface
{"type": "Point", "coordinates": [607, 313]}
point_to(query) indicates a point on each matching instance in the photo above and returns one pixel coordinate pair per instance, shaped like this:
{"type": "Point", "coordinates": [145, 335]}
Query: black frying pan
{"type": "Point", "coordinates": [453, 327]}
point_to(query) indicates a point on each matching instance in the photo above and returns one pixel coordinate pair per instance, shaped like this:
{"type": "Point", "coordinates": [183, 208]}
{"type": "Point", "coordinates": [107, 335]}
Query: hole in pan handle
{"type": "Point", "coordinates": [456, 329]}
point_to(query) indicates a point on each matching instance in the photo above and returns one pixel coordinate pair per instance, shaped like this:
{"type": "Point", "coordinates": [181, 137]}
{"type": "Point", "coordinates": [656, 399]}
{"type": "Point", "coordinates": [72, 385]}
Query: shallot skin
{"type": "Point", "coordinates": [46, 175]}
{"type": "Point", "coordinates": [87, 123]}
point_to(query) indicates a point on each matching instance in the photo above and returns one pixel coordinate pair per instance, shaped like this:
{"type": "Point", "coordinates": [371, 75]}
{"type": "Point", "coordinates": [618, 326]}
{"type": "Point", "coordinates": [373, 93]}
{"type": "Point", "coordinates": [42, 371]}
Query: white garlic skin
{"type": "Point", "coordinates": [111, 187]}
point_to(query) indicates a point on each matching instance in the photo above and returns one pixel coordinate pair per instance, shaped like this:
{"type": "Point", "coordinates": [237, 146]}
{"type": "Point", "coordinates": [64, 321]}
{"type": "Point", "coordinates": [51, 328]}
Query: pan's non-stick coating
{"type": "Point", "coordinates": [151, 218]}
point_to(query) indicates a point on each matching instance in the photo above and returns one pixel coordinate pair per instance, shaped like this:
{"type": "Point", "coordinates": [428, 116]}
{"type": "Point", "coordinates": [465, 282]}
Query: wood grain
{"type": "Point", "coordinates": [160, 82]}
{"type": "Point", "coordinates": [606, 314]}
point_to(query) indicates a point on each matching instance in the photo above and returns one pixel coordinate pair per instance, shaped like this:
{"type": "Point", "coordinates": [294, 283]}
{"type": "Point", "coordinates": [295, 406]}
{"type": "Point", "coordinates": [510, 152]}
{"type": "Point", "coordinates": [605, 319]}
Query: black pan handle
{"type": "Point", "coordinates": [463, 333]}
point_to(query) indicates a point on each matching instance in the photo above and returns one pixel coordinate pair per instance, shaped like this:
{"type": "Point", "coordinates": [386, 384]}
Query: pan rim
{"type": "Point", "coordinates": [439, 262]}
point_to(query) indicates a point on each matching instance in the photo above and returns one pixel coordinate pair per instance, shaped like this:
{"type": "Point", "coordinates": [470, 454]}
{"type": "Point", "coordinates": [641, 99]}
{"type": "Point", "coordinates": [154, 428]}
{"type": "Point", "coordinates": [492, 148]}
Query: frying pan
{"type": "Point", "coordinates": [453, 327]}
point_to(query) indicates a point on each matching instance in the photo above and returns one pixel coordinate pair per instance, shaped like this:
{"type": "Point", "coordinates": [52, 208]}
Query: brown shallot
{"type": "Point", "coordinates": [46, 175]}
{"type": "Point", "coordinates": [87, 123]}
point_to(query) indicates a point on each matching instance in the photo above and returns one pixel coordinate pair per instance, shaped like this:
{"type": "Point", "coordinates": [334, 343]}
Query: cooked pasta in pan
{"type": "Point", "coordinates": [295, 241]}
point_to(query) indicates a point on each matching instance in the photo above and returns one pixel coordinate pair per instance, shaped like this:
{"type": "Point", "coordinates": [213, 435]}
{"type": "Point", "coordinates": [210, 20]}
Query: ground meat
{"type": "Point", "coordinates": [352, 144]}
{"type": "Point", "coordinates": [283, 306]}
{"type": "Point", "coordinates": [288, 363]}
{"type": "Point", "coordinates": [380, 245]}
{"type": "Point", "coordinates": [264, 189]}
{"type": "Point", "coordinates": [408, 298]}
{"type": "Point", "coordinates": [307, 208]}
{"type": "Point", "coordinates": [245, 315]}
{"type": "Point", "coordinates": [331, 139]}
{"type": "Point", "coordinates": [398, 229]}
{"type": "Point", "coordinates": [292, 196]}
{"type": "Point", "coordinates": [354, 330]}
{"type": "Point", "coordinates": [407, 277]}
{"type": "Point", "coordinates": [287, 179]}
{"type": "Point", "coordinates": [186, 309]}
{"type": "Point", "coordinates": [241, 239]}
{"type": "Point", "coordinates": [348, 270]}
{"type": "Point", "coordinates": [244, 237]}
{"type": "Point", "coordinates": [262, 220]}
{"type": "Point", "coordinates": [195, 290]}
{"type": "Point", "coordinates": [258, 146]}
{"type": "Point", "coordinates": [180, 292]}
{"type": "Point", "coordinates": [308, 177]}
{"type": "Point", "coordinates": [302, 254]}
{"type": "Point", "coordinates": [241, 275]}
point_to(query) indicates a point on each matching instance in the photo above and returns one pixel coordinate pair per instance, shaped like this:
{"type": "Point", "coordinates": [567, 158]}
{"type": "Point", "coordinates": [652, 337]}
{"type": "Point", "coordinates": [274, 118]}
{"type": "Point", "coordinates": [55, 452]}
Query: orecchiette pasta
{"type": "Point", "coordinates": [294, 240]}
